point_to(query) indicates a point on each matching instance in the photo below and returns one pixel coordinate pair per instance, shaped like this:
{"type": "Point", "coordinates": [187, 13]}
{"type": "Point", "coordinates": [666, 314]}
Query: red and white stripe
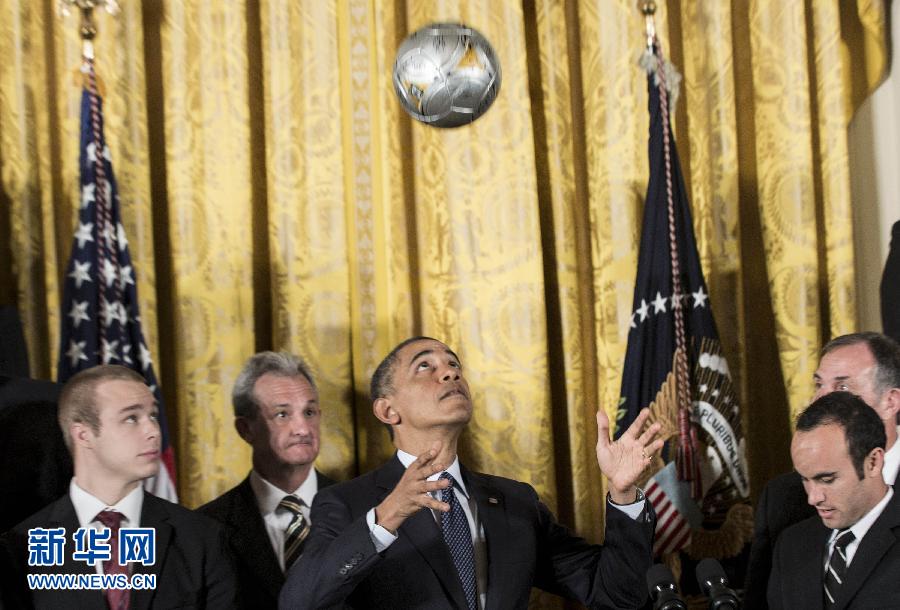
{"type": "Point", "coordinates": [673, 532]}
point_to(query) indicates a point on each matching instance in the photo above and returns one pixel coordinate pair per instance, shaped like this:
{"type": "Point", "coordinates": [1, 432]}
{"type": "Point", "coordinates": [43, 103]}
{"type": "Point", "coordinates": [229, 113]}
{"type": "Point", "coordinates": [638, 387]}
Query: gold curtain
{"type": "Point", "coordinates": [275, 196]}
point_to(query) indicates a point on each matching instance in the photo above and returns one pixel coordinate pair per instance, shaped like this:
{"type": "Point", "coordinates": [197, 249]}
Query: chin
{"type": "Point", "coordinates": [149, 473]}
{"type": "Point", "coordinates": [307, 457]}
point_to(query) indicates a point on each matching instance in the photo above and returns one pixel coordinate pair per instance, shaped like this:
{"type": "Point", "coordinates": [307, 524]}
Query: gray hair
{"type": "Point", "coordinates": [885, 352]}
{"type": "Point", "coordinates": [281, 364]}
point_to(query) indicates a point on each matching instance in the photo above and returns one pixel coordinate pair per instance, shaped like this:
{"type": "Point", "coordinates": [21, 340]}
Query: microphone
{"type": "Point", "coordinates": [661, 585]}
{"type": "Point", "coordinates": [714, 584]}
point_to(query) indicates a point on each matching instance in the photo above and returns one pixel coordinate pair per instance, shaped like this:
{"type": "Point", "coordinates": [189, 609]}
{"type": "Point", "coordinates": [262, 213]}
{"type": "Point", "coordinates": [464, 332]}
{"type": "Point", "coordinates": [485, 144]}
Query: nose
{"type": "Point", "coordinates": [448, 373]}
{"type": "Point", "coordinates": [814, 495]}
{"type": "Point", "coordinates": [299, 425]}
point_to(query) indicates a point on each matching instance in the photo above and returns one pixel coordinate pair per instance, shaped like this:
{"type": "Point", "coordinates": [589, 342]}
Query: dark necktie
{"type": "Point", "coordinates": [836, 568]}
{"type": "Point", "coordinates": [296, 532]}
{"type": "Point", "coordinates": [458, 537]}
{"type": "Point", "coordinates": [117, 599]}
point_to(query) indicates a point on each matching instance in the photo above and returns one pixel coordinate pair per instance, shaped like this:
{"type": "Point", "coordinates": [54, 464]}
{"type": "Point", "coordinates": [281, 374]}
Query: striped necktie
{"type": "Point", "coordinates": [836, 568]}
{"type": "Point", "coordinates": [296, 532]}
{"type": "Point", "coordinates": [455, 527]}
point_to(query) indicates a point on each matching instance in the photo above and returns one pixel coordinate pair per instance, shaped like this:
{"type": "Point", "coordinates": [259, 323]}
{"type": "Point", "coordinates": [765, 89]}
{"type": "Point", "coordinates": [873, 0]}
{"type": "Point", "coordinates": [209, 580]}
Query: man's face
{"type": "Point", "coordinates": [428, 387]}
{"type": "Point", "coordinates": [126, 449]}
{"type": "Point", "coordinates": [850, 368]}
{"type": "Point", "coordinates": [285, 430]}
{"type": "Point", "coordinates": [832, 485]}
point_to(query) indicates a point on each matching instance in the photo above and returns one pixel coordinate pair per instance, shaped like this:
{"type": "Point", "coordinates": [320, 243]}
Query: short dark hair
{"type": "Point", "coordinates": [863, 428]}
{"type": "Point", "coordinates": [77, 400]}
{"type": "Point", "coordinates": [282, 364]}
{"type": "Point", "coordinates": [885, 351]}
{"type": "Point", "coordinates": [383, 377]}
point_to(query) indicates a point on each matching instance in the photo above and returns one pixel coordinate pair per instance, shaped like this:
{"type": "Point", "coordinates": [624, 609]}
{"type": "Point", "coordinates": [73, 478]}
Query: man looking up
{"type": "Point", "coordinates": [866, 364]}
{"type": "Point", "coordinates": [276, 411]}
{"type": "Point", "coordinates": [423, 531]}
{"type": "Point", "coordinates": [848, 555]}
{"type": "Point", "coordinates": [110, 424]}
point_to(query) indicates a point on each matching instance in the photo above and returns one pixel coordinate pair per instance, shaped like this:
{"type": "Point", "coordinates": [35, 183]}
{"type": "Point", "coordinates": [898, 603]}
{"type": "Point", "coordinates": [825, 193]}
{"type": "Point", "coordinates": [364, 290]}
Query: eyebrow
{"type": "Point", "coordinates": [818, 476]}
{"type": "Point", "coordinates": [286, 405]}
{"type": "Point", "coordinates": [425, 352]}
{"type": "Point", "coordinates": [837, 378]}
{"type": "Point", "coordinates": [136, 407]}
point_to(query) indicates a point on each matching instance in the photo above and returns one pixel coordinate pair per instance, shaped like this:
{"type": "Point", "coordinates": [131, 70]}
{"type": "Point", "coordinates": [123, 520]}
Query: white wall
{"type": "Point", "coordinates": [875, 182]}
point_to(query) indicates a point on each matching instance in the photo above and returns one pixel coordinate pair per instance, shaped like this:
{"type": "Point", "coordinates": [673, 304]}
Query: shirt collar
{"type": "Point", "coordinates": [861, 527]}
{"type": "Point", "coordinates": [268, 496]}
{"type": "Point", "coordinates": [407, 458]}
{"type": "Point", "coordinates": [88, 506]}
{"type": "Point", "coordinates": [892, 462]}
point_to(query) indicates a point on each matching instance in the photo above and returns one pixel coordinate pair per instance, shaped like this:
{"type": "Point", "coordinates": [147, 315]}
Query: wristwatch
{"type": "Point", "coordinates": [638, 497]}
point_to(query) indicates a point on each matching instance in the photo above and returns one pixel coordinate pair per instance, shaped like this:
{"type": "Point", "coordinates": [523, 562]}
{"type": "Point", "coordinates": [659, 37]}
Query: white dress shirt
{"type": "Point", "coordinates": [87, 507]}
{"type": "Point", "coordinates": [382, 538]}
{"type": "Point", "coordinates": [277, 519]}
{"type": "Point", "coordinates": [892, 462]}
{"type": "Point", "coordinates": [860, 528]}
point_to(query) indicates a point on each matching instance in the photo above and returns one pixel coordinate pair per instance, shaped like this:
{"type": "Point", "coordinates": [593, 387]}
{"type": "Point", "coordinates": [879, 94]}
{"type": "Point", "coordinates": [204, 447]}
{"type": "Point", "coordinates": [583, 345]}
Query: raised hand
{"type": "Point", "coordinates": [412, 492]}
{"type": "Point", "coordinates": [623, 460]}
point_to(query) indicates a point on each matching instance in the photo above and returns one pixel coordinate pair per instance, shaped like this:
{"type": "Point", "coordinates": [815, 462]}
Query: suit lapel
{"type": "Point", "coordinates": [421, 531]}
{"type": "Point", "coordinates": [871, 549]}
{"type": "Point", "coordinates": [492, 516]}
{"type": "Point", "coordinates": [250, 535]}
{"type": "Point", "coordinates": [813, 571]}
{"type": "Point", "coordinates": [63, 515]}
{"type": "Point", "coordinates": [153, 514]}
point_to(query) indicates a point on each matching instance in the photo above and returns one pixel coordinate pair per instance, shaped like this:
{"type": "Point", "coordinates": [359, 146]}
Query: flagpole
{"type": "Point", "coordinates": [648, 9]}
{"type": "Point", "coordinates": [88, 29]}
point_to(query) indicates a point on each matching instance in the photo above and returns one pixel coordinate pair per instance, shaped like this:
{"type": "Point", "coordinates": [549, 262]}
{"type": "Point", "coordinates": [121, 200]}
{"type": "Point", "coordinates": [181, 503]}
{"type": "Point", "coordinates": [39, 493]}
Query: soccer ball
{"type": "Point", "coordinates": [446, 74]}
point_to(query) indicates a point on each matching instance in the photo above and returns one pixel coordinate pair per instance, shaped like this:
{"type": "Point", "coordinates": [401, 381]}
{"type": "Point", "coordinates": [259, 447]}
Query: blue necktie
{"type": "Point", "coordinates": [458, 537]}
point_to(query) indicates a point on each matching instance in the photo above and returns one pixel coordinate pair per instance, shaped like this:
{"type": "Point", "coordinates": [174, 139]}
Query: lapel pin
{"type": "Point", "coordinates": [493, 501]}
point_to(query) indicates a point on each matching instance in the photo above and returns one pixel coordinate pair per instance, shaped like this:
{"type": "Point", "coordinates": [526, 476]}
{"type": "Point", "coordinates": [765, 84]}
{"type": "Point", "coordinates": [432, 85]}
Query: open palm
{"type": "Point", "coordinates": [623, 460]}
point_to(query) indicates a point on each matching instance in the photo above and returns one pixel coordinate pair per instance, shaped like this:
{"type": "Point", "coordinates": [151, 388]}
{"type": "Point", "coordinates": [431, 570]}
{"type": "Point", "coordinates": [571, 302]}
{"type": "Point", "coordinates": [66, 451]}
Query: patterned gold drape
{"type": "Point", "coordinates": [276, 196]}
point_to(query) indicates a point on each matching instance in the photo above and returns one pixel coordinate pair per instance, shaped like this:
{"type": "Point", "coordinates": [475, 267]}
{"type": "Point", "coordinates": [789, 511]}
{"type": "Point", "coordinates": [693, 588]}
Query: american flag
{"type": "Point", "coordinates": [101, 322]}
{"type": "Point", "coordinates": [674, 362]}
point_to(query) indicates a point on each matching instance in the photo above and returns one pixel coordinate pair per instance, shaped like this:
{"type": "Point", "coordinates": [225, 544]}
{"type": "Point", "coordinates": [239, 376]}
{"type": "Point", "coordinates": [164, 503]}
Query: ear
{"type": "Point", "coordinates": [244, 429]}
{"type": "Point", "coordinates": [385, 412]}
{"type": "Point", "coordinates": [890, 405]}
{"type": "Point", "coordinates": [82, 434]}
{"type": "Point", "coordinates": [874, 462]}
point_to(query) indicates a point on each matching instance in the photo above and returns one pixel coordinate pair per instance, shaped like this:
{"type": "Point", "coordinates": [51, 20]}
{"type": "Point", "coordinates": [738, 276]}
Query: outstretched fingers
{"type": "Point", "coordinates": [649, 434]}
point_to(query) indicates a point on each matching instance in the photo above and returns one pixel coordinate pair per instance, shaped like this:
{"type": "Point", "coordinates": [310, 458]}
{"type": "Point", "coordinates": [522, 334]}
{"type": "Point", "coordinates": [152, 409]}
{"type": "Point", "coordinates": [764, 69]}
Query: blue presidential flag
{"type": "Point", "coordinates": [674, 362]}
{"type": "Point", "coordinates": [101, 322]}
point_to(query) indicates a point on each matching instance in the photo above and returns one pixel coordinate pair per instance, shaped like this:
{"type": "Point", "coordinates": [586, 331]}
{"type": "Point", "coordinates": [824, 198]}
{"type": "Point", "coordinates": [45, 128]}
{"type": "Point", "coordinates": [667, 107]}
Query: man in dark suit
{"type": "Point", "coordinates": [35, 465]}
{"type": "Point", "coordinates": [423, 531]}
{"type": "Point", "coordinates": [890, 287]}
{"type": "Point", "coordinates": [848, 555]}
{"type": "Point", "coordinates": [276, 410]}
{"type": "Point", "coordinates": [110, 424]}
{"type": "Point", "coordinates": [867, 364]}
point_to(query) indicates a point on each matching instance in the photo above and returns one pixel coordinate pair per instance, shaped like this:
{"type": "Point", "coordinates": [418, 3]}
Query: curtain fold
{"type": "Point", "coordinates": [276, 196]}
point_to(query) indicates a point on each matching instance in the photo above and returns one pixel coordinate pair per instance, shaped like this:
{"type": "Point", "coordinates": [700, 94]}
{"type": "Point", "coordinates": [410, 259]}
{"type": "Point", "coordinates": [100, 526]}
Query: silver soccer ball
{"type": "Point", "coordinates": [446, 74]}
